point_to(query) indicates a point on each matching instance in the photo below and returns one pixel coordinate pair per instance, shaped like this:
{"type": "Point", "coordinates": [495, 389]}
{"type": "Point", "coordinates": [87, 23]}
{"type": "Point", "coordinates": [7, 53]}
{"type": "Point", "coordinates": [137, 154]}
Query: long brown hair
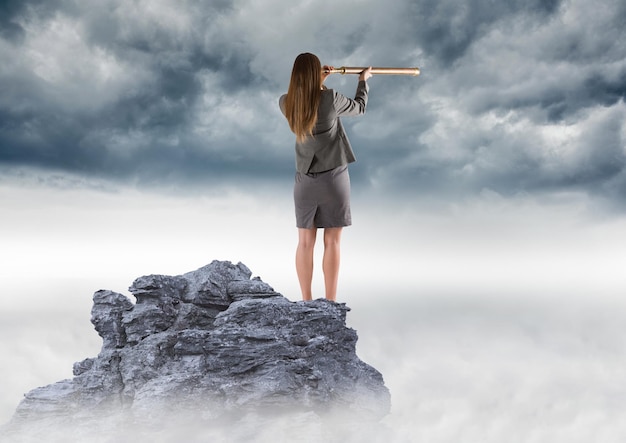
{"type": "Point", "coordinates": [303, 95]}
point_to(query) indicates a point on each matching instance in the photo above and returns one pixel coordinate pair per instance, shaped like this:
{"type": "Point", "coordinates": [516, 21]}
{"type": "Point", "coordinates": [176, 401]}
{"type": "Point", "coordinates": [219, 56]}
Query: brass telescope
{"type": "Point", "coordinates": [375, 71]}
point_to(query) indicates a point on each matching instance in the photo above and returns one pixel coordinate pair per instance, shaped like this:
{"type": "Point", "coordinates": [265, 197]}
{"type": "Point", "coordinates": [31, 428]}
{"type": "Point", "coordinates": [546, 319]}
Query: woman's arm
{"type": "Point", "coordinates": [350, 107]}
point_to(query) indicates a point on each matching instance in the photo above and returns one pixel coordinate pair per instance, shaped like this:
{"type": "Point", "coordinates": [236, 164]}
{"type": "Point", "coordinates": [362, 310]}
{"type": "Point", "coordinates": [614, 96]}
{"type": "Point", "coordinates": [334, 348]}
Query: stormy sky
{"type": "Point", "coordinates": [514, 97]}
{"type": "Point", "coordinates": [141, 137]}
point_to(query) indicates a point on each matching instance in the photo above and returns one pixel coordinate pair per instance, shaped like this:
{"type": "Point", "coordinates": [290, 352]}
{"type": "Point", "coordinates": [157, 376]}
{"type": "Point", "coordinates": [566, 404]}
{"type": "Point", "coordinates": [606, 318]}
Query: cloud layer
{"type": "Point", "coordinates": [493, 370]}
{"type": "Point", "coordinates": [481, 370]}
{"type": "Point", "coordinates": [515, 97]}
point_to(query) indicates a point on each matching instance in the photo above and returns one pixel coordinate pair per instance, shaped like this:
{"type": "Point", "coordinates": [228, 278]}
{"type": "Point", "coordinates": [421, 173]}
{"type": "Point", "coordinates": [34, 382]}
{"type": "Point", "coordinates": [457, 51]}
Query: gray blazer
{"type": "Point", "coordinates": [329, 146]}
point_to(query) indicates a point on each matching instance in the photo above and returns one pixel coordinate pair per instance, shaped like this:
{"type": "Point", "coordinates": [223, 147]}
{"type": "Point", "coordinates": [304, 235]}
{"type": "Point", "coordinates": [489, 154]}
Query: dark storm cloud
{"type": "Point", "coordinates": [12, 10]}
{"type": "Point", "coordinates": [38, 128]}
{"type": "Point", "coordinates": [524, 98]}
{"type": "Point", "coordinates": [513, 97]}
{"type": "Point", "coordinates": [446, 29]}
{"type": "Point", "coordinates": [8, 28]}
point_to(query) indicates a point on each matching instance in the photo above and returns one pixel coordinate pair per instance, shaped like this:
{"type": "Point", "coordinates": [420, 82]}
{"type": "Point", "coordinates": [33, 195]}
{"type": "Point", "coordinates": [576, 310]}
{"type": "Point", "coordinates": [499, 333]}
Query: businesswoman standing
{"type": "Point", "coordinates": [323, 152]}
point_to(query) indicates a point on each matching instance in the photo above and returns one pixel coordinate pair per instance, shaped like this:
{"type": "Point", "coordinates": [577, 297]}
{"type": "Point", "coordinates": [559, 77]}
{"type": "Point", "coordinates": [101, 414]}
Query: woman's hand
{"type": "Point", "coordinates": [326, 72]}
{"type": "Point", "coordinates": [365, 74]}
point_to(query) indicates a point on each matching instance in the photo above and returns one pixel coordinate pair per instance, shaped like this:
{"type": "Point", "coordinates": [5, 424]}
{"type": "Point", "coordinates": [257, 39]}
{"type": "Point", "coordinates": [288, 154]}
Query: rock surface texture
{"type": "Point", "coordinates": [209, 347]}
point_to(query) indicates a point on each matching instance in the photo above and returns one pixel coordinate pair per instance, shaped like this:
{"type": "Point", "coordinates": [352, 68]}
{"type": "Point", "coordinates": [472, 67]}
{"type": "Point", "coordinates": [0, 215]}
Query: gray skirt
{"type": "Point", "coordinates": [322, 199]}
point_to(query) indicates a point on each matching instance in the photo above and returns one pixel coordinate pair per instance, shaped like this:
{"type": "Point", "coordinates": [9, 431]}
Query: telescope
{"type": "Point", "coordinates": [375, 71]}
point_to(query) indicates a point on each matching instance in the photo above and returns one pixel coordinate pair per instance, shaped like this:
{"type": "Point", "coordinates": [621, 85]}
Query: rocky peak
{"type": "Point", "coordinates": [202, 347]}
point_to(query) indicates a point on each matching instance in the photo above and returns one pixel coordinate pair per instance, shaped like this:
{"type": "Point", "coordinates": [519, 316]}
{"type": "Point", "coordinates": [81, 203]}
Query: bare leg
{"type": "Point", "coordinates": [330, 263]}
{"type": "Point", "coordinates": [304, 260]}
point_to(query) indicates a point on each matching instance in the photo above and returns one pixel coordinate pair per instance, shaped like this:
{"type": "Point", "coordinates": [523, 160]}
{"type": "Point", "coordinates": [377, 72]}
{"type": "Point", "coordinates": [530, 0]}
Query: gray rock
{"type": "Point", "coordinates": [106, 316]}
{"type": "Point", "coordinates": [210, 346]}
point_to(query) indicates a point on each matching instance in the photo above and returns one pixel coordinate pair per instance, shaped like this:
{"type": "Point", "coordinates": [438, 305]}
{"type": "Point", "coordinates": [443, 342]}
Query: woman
{"type": "Point", "coordinates": [322, 183]}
